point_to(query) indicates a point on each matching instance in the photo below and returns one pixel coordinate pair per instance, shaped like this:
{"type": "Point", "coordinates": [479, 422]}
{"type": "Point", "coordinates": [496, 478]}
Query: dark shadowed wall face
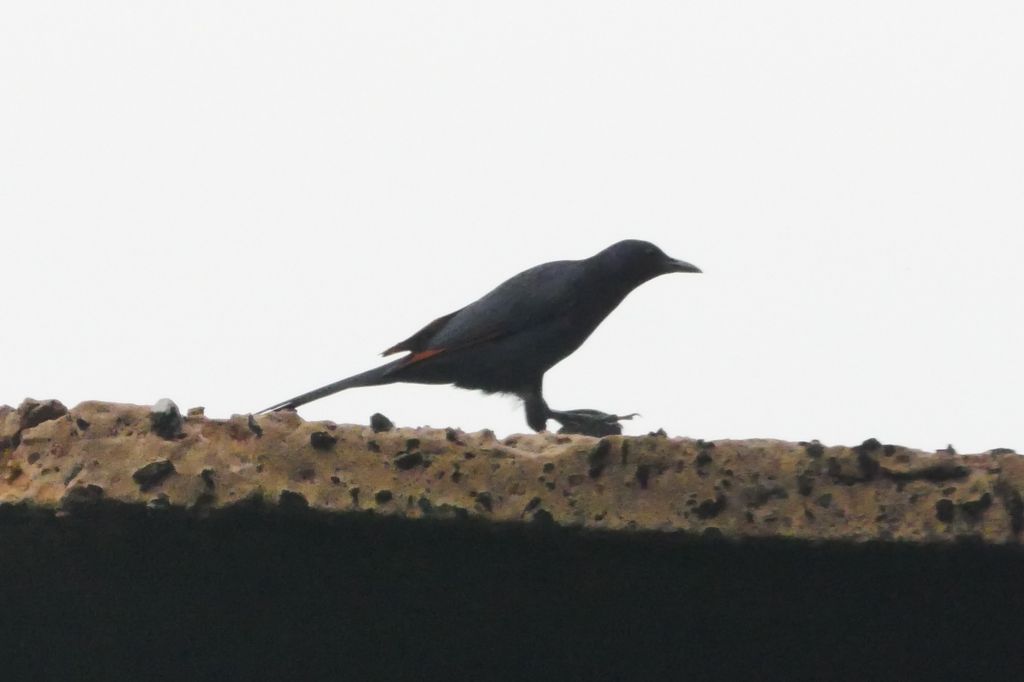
{"type": "Point", "coordinates": [274, 598]}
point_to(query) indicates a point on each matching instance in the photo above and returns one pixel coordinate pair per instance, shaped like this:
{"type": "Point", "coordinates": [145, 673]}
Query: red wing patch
{"type": "Point", "coordinates": [422, 355]}
{"type": "Point", "coordinates": [419, 356]}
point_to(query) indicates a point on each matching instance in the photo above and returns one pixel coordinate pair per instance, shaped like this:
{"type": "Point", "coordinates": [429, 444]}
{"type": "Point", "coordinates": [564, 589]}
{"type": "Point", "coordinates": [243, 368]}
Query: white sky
{"type": "Point", "coordinates": [229, 203]}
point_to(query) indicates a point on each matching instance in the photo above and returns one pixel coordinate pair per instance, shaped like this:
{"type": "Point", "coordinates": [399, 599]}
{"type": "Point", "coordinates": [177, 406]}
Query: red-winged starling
{"type": "Point", "coordinates": [506, 341]}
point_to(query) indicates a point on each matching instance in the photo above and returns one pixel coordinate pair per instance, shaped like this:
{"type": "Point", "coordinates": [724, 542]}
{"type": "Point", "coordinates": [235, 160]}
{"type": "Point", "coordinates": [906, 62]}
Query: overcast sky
{"type": "Point", "coordinates": [231, 203]}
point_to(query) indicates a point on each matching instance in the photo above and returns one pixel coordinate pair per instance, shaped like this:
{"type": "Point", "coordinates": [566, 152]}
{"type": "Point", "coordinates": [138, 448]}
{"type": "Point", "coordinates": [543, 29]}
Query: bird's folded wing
{"type": "Point", "coordinates": [529, 299]}
{"type": "Point", "coordinates": [417, 342]}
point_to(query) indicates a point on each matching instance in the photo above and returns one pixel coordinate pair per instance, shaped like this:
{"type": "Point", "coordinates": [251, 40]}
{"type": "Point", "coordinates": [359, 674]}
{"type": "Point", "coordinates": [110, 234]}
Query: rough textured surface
{"type": "Point", "coordinates": [55, 459]}
{"type": "Point", "coordinates": [272, 548]}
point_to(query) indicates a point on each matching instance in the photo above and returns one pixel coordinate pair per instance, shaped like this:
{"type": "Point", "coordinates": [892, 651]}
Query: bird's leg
{"type": "Point", "coordinates": [537, 410]}
{"type": "Point", "coordinates": [589, 422]}
{"type": "Point", "coordinates": [586, 422]}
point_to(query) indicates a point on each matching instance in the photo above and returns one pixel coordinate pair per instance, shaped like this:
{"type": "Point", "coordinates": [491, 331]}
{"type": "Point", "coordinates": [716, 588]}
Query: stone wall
{"type": "Point", "coordinates": [56, 459]}
{"type": "Point", "coordinates": [137, 542]}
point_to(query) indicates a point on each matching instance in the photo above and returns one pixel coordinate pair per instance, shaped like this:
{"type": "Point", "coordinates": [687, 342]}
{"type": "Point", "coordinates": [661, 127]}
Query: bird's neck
{"type": "Point", "coordinates": [615, 277]}
{"type": "Point", "coordinates": [609, 287]}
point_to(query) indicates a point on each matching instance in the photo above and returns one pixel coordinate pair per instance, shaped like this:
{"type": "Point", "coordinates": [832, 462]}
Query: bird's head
{"type": "Point", "coordinates": [638, 261]}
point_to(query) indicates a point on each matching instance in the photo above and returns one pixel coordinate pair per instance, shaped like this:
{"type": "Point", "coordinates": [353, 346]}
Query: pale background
{"type": "Point", "coordinates": [228, 203]}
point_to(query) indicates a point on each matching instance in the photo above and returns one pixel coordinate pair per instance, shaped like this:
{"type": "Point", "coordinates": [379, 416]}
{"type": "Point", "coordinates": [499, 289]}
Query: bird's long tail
{"type": "Point", "coordinates": [374, 377]}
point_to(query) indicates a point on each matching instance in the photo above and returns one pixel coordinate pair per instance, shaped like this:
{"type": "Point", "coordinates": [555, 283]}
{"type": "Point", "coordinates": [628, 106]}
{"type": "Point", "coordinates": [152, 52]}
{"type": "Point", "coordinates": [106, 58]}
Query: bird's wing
{"type": "Point", "coordinates": [528, 299]}
{"type": "Point", "coordinates": [417, 342]}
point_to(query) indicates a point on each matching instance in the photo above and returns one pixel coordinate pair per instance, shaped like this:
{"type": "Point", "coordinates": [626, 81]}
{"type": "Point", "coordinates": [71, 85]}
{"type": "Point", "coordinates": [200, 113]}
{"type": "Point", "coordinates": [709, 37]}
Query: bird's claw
{"type": "Point", "coordinates": [590, 422]}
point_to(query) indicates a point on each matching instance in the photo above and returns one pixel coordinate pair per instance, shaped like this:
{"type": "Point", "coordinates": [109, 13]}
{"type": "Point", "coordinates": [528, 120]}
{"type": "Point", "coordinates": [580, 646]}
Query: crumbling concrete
{"type": "Point", "coordinates": [138, 541]}
{"type": "Point", "coordinates": [63, 460]}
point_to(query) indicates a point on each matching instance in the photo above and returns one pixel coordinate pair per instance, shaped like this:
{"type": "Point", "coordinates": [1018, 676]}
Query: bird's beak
{"type": "Point", "coordinates": [674, 265]}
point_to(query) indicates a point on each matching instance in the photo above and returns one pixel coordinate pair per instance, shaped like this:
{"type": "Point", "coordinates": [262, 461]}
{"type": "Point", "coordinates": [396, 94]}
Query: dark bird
{"type": "Point", "coordinates": [506, 341]}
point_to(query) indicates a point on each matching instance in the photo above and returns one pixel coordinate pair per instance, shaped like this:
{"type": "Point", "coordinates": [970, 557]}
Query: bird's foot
{"type": "Point", "coordinates": [589, 422]}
